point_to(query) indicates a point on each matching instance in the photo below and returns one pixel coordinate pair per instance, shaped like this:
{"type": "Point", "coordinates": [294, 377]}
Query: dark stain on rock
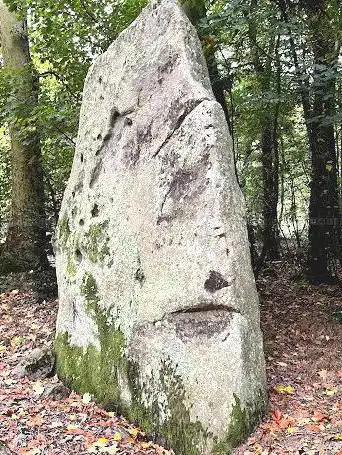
{"type": "Point", "coordinates": [95, 211]}
{"type": "Point", "coordinates": [78, 256]}
{"type": "Point", "coordinates": [114, 115]}
{"type": "Point", "coordinates": [132, 154]}
{"type": "Point", "coordinates": [206, 307]}
{"type": "Point", "coordinates": [215, 282]}
{"type": "Point", "coordinates": [144, 135]}
{"type": "Point", "coordinates": [180, 183]}
{"type": "Point", "coordinates": [189, 182]}
{"type": "Point", "coordinates": [186, 184]}
{"type": "Point", "coordinates": [95, 174]}
{"type": "Point", "coordinates": [139, 274]}
{"type": "Point", "coordinates": [167, 67]}
{"type": "Point", "coordinates": [104, 142]}
{"type": "Point", "coordinates": [107, 137]}
{"type": "Point", "coordinates": [202, 324]}
{"type": "Point", "coordinates": [166, 218]}
{"type": "Point", "coordinates": [78, 187]}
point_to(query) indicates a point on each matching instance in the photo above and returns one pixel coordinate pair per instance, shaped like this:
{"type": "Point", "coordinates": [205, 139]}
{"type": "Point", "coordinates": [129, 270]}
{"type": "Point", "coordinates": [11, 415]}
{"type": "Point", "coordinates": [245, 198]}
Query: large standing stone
{"type": "Point", "coordinates": [158, 307]}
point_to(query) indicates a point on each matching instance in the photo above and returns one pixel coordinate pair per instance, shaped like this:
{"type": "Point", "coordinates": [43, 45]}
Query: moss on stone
{"type": "Point", "coordinates": [71, 268]}
{"type": "Point", "coordinates": [93, 370]}
{"type": "Point", "coordinates": [97, 242]}
{"type": "Point", "coordinates": [100, 372]}
{"type": "Point", "coordinates": [242, 423]}
{"type": "Point", "coordinates": [176, 431]}
{"type": "Point", "coordinates": [89, 288]}
{"type": "Point", "coordinates": [64, 229]}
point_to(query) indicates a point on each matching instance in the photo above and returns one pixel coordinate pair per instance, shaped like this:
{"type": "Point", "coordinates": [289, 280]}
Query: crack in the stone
{"type": "Point", "coordinates": [206, 308]}
{"type": "Point", "coordinates": [188, 110]}
{"type": "Point", "coordinates": [161, 217]}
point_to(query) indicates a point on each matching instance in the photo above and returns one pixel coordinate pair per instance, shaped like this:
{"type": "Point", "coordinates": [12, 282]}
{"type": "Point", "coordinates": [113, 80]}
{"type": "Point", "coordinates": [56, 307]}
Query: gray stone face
{"type": "Point", "coordinates": [158, 308]}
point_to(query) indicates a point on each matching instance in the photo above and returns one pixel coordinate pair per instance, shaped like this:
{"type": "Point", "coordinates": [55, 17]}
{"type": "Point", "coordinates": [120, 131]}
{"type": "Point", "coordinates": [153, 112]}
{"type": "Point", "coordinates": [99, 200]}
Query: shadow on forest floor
{"type": "Point", "coordinates": [304, 367]}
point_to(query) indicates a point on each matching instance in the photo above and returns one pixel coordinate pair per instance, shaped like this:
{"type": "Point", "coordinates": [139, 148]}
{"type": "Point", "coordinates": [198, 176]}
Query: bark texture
{"type": "Point", "coordinates": [263, 67]}
{"type": "Point", "coordinates": [324, 211]}
{"type": "Point", "coordinates": [26, 238]}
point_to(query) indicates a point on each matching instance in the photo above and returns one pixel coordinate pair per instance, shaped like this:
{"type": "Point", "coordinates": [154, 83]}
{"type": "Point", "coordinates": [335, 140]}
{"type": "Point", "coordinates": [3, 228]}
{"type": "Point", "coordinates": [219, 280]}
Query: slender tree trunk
{"type": "Point", "coordinates": [324, 201]}
{"type": "Point", "coordinates": [268, 141]}
{"type": "Point", "coordinates": [25, 244]}
{"type": "Point", "coordinates": [270, 162]}
{"type": "Point", "coordinates": [324, 227]}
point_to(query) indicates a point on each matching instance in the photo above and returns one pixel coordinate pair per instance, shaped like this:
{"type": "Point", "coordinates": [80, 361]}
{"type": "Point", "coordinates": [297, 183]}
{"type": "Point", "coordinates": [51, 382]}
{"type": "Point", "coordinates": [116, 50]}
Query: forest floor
{"type": "Point", "coordinates": [304, 367]}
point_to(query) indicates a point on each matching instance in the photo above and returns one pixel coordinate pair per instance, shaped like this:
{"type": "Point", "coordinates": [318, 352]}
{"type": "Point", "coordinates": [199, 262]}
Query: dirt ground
{"type": "Point", "coordinates": [302, 328]}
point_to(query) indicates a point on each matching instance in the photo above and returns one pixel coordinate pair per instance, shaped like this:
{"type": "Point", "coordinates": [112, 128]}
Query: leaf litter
{"type": "Point", "coordinates": [33, 424]}
{"type": "Point", "coordinates": [303, 344]}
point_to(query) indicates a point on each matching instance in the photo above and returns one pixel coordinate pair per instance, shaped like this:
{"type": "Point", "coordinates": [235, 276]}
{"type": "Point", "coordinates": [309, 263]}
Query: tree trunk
{"type": "Point", "coordinates": [270, 162]}
{"type": "Point", "coordinates": [268, 142]}
{"type": "Point", "coordinates": [324, 227]}
{"type": "Point", "coordinates": [25, 244]}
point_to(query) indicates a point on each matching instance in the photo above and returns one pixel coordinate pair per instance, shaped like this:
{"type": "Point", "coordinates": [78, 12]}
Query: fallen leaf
{"type": "Point", "coordinates": [318, 416]}
{"type": "Point", "coordinates": [277, 415]}
{"type": "Point", "coordinates": [35, 421]}
{"type": "Point", "coordinates": [86, 399]}
{"type": "Point", "coordinates": [330, 391]}
{"type": "Point", "coordinates": [134, 432]}
{"type": "Point", "coordinates": [71, 427]}
{"type": "Point", "coordinates": [146, 445]}
{"type": "Point", "coordinates": [111, 450]}
{"type": "Point", "coordinates": [27, 451]}
{"type": "Point", "coordinates": [284, 389]}
{"type": "Point", "coordinates": [38, 387]}
{"type": "Point", "coordinates": [101, 442]}
{"type": "Point", "coordinates": [313, 427]}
